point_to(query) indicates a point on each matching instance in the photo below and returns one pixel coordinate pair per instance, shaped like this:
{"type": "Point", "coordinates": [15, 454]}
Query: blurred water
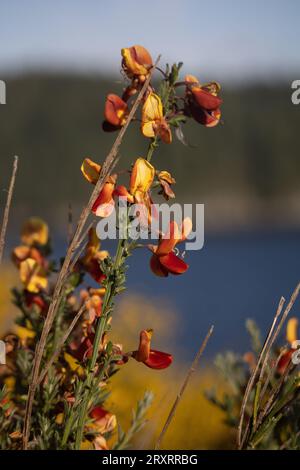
{"type": "Point", "coordinates": [234, 277]}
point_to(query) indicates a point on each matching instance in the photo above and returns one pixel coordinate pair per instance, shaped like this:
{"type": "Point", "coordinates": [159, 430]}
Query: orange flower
{"type": "Point", "coordinates": [93, 255]}
{"type": "Point", "coordinates": [34, 231]}
{"type": "Point", "coordinates": [150, 357]}
{"type": "Point", "coordinates": [164, 261]}
{"type": "Point", "coordinates": [203, 103]}
{"type": "Point", "coordinates": [136, 62]}
{"type": "Point", "coordinates": [291, 336]}
{"type": "Point", "coordinates": [115, 113]}
{"type": "Point", "coordinates": [165, 179]}
{"type": "Point", "coordinates": [153, 121]}
{"type": "Point", "coordinates": [104, 204]}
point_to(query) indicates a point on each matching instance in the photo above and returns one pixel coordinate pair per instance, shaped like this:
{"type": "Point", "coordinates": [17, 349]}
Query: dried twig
{"type": "Point", "coordinates": [106, 169]}
{"type": "Point", "coordinates": [183, 387]}
{"type": "Point", "coordinates": [70, 223]}
{"type": "Point", "coordinates": [7, 207]}
{"type": "Point", "coordinates": [61, 343]}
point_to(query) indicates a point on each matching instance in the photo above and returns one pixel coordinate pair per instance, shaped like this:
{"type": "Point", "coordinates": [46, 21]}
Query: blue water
{"type": "Point", "coordinates": [234, 277]}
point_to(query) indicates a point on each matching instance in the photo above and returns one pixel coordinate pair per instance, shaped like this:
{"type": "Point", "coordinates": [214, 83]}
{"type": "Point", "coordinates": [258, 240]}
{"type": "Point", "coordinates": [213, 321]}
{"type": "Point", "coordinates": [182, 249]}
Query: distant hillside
{"type": "Point", "coordinates": [248, 163]}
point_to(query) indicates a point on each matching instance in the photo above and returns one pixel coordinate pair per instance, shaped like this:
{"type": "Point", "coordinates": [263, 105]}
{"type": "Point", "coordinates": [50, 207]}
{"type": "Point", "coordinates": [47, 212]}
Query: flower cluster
{"type": "Point", "coordinates": [69, 410]}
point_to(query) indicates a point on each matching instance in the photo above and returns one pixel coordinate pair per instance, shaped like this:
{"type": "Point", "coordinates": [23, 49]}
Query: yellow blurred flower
{"type": "Point", "coordinates": [35, 230]}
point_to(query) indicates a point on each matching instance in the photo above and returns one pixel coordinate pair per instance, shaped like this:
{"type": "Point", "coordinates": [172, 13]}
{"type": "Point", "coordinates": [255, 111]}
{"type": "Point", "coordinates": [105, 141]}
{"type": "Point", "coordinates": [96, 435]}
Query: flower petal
{"type": "Point", "coordinates": [115, 110]}
{"type": "Point", "coordinates": [186, 228]}
{"type": "Point", "coordinates": [142, 176]}
{"type": "Point", "coordinates": [152, 108]}
{"type": "Point", "coordinates": [143, 351]}
{"type": "Point", "coordinates": [173, 263]}
{"type": "Point", "coordinates": [169, 240]}
{"type": "Point", "coordinates": [136, 60]}
{"type": "Point", "coordinates": [206, 100]}
{"type": "Point", "coordinates": [291, 330]}
{"type": "Point", "coordinates": [104, 204]}
{"type": "Point", "coordinates": [90, 170]}
{"type": "Point", "coordinates": [158, 360]}
{"type": "Point", "coordinates": [156, 267]}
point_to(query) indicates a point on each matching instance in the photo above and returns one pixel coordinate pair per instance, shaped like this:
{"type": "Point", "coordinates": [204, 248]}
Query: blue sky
{"type": "Point", "coordinates": [233, 39]}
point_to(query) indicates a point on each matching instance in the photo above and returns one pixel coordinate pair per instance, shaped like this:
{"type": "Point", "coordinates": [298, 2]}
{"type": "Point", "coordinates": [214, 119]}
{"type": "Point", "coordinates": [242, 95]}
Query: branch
{"type": "Point", "coordinates": [7, 207]}
{"type": "Point", "coordinates": [182, 389]}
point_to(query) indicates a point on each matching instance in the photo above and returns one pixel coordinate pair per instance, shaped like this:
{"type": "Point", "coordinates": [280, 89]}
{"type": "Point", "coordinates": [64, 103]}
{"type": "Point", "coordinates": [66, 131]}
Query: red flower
{"type": "Point", "coordinates": [164, 261]}
{"type": "Point", "coordinates": [150, 357]}
{"type": "Point", "coordinates": [203, 103]}
{"type": "Point", "coordinates": [115, 113]}
{"type": "Point", "coordinates": [34, 299]}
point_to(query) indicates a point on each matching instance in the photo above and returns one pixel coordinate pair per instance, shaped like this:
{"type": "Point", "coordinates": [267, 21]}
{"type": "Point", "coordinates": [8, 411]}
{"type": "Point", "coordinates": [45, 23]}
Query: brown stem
{"type": "Point", "coordinates": [106, 169]}
{"type": "Point", "coordinates": [70, 222]}
{"type": "Point", "coordinates": [182, 388]}
{"type": "Point", "coordinates": [7, 207]}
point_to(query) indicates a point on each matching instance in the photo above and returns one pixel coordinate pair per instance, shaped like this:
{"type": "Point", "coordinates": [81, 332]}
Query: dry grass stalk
{"type": "Point", "coordinates": [183, 387]}
{"type": "Point", "coordinates": [255, 372]}
{"type": "Point", "coordinates": [61, 343]}
{"type": "Point", "coordinates": [263, 362]}
{"type": "Point", "coordinates": [106, 170]}
{"type": "Point", "coordinates": [7, 207]}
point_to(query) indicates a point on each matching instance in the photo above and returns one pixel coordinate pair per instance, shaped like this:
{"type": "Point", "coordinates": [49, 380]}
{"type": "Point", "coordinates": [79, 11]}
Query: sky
{"type": "Point", "coordinates": [232, 39]}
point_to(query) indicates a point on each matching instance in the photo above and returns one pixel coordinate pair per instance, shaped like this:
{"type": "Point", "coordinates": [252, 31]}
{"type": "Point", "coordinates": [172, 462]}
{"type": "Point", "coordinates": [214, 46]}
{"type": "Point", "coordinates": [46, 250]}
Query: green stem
{"type": "Point", "coordinates": [100, 328]}
{"type": "Point", "coordinates": [152, 146]}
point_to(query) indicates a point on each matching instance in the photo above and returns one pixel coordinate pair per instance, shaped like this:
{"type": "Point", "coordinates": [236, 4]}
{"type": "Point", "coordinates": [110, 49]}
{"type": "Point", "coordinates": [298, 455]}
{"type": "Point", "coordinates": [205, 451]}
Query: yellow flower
{"type": "Point", "coordinates": [35, 230]}
{"type": "Point", "coordinates": [33, 276]}
{"type": "Point", "coordinates": [142, 177]}
{"type": "Point", "coordinates": [291, 330]}
{"type": "Point", "coordinates": [153, 121]}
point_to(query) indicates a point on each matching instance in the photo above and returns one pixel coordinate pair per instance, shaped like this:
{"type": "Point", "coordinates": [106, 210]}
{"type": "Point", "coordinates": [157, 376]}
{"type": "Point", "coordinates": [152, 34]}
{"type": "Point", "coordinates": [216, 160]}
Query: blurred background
{"type": "Point", "coordinates": [60, 59]}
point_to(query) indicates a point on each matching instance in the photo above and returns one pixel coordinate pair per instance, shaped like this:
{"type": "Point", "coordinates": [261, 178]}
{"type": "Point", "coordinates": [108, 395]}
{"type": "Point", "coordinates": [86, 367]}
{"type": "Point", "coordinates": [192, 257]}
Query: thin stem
{"type": "Point", "coordinates": [183, 387]}
{"type": "Point", "coordinates": [7, 207]}
{"type": "Point", "coordinates": [152, 146]}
